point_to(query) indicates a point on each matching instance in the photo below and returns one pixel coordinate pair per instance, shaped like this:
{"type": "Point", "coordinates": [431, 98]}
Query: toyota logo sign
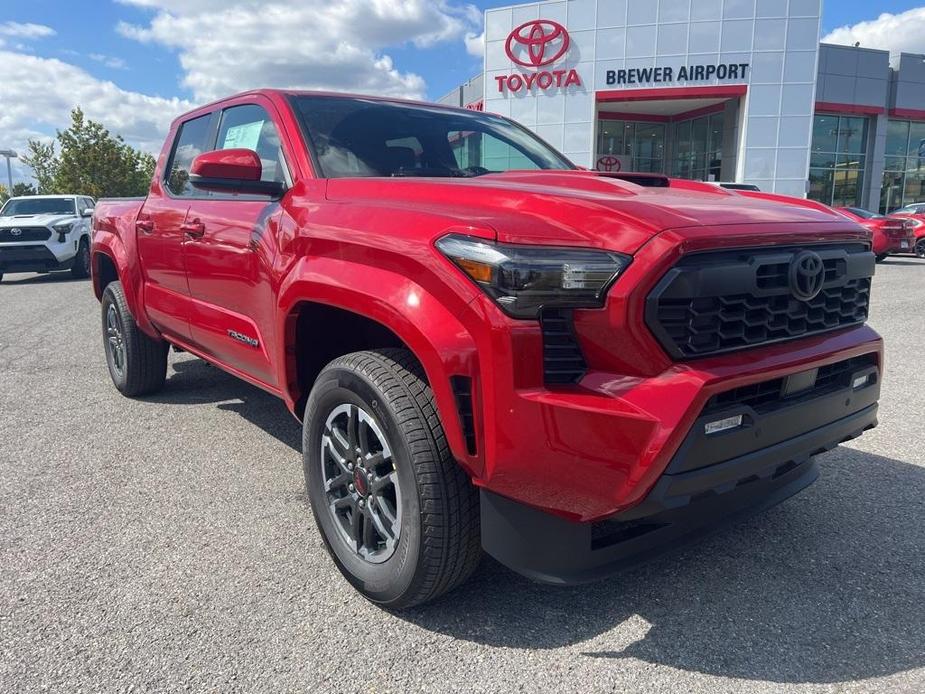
{"type": "Point", "coordinates": [609, 163]}
{"type": "Point", "coordinates": [15, 232]}
{"type": "Point", "coordinates": [807, 275]}
{"type": "Point", "coordinates": [537, 43]}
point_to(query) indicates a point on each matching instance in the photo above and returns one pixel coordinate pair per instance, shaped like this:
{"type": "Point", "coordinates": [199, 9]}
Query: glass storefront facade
{"type": "Point", "coordinates": [696, 145]}
{"type": "Point", "coordinates": [642, 141]}
{"type": "Point", "coordinates": [837, 160]}
{"type": "Point", "coordinates": [904, 167]}
{"type": "Point", "coordinates": [698, 148]}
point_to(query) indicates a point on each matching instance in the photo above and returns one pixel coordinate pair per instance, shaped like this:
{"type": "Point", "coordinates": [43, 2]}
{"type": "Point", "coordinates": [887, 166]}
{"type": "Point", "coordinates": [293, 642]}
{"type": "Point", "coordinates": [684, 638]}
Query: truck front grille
{"type": "Point", "coordinates": [25, 234]}
{"type": "Point", "coordinates": [768, 396]}
{"type": "Point", "coordinates": [711, 303]}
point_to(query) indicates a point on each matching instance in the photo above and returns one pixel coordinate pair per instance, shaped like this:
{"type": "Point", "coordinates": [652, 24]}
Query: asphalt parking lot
{"type": "Point", "coordinates": [166, 545]}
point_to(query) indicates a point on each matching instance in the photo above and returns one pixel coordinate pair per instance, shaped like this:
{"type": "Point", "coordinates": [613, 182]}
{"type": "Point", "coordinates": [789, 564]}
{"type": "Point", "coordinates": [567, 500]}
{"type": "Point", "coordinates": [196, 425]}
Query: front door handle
{"type": "Point", "coordinates": [194, 229]}
{"type": "Point", "coordinates": [144, 225]}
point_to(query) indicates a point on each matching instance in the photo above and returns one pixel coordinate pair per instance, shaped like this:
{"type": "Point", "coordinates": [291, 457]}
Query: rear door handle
{"type": "Point", "coordinates": [144, 225]}
{"type": "Point", "coordinates": [194, 229]}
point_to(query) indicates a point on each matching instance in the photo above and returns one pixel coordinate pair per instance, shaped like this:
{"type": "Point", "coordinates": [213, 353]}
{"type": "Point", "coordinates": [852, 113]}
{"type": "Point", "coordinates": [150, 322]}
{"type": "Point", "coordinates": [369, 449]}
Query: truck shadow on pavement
{"type": "Point", "coordinates": [827, 587]}
{"type": "Point", "coordinates": [194, 382]}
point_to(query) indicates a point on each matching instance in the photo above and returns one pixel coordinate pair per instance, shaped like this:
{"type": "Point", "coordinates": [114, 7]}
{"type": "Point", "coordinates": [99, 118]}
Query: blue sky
{"type": "Point", "coordinates": [137, 63]}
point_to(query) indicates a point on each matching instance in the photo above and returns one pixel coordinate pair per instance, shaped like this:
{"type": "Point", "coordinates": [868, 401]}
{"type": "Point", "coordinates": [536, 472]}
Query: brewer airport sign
{"type": "Point", "coordinates": [685, 73]}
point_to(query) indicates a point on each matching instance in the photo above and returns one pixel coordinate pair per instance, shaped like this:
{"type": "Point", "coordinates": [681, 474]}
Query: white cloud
{"type": "Point", "coordinates": [30, 112]}
{"type": "Point", "coordinates": [225, 47]}
{"type": "Point", "coordinates": [904, 32]}
{"type": "Point", "coordinates": [475, 44]}
{"type": "Point", "coordinates": [26, 31]}
{"type": "Point", "coordinates": [108, 61]}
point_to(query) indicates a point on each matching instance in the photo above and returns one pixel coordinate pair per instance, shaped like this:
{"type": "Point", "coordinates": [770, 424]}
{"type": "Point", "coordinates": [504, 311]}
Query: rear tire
{"type": "Point", "coordinates": [919, 249]}
{"type": "Point", "coordinates": [880, 258]}
{"type": "Point", "coordinates": [81, 267]}
{"type": "Point", "coordinates": [397, 514]}
{"type": "Point", "coordinates": [137, 363]}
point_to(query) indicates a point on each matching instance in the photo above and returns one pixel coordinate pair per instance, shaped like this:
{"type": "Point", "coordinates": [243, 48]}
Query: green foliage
{"type": "Point", "coordinates": [19, 189]}
{"type": "Point", "coordinates": [90, 161]}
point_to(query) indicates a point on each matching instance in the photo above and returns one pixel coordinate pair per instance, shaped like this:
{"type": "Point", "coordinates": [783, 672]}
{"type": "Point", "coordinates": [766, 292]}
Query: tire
{"type": "Point", "coordinates": [919, 249]}
{"type": "Point", "coordinates": [81, 267]}
{"type": "Point", "coordinates": [431, 508]}
{"type": "Point", "coordinates": [880, 258]}
{"type": "Point", "coordinates": [137, 363]}
{"type": "Point", "coordinates": [1, 276]}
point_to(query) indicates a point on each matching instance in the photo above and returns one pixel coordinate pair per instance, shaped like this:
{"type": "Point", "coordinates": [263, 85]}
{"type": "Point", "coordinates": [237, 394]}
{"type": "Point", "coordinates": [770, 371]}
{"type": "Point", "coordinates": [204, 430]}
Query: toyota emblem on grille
{"type": "Point", "coordinates": [15, 232]}
{"type": "Point", "coordinates": [807, 274]}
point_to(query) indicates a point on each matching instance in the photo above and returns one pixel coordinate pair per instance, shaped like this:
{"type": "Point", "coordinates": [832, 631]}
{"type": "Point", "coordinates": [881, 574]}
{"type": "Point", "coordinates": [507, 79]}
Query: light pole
{"type": "Point", "coordinates": [9, 154]}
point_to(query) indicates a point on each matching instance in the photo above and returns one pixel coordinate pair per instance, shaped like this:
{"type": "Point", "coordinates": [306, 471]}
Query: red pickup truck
{"type": "Point", "coordinates": [488, 347]}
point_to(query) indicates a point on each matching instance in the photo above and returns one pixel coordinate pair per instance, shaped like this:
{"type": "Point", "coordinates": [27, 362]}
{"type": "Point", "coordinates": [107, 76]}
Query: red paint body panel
{"type": "Point", "coordinates": [887, 233]}
{"type": "Point", "coordinates": [366, 245]}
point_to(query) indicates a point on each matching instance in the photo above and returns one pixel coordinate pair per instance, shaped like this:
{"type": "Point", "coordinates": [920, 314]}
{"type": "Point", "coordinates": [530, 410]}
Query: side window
{"type": "Point", "coordinates": [473, 149]}
{"type": "Point", "coordinates": [190, 143]}
{"type": "Point", "coordinates": [249, 127]}
{"type": "Point", "coordinates": [81, 206]}
{"type": "Point", "coordinates": [89, 203]}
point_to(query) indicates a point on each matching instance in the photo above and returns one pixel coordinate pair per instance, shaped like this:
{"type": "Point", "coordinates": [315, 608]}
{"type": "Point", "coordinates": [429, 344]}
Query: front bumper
{"type": "Point", "coordinates": [711, 480]}
{"type": "Point", "coordinates": [44, 257]}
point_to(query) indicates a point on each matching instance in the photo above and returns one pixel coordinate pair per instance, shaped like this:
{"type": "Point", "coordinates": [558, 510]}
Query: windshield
{"type": "Point", "coordinates": [30, 206]}
{"type": "Point", "coordinates": [354, 137]}
{"type": "Point", "coordinates": [864, 214]}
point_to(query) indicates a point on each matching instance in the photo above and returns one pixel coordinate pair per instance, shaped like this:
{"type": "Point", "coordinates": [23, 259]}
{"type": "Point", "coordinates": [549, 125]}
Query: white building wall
{"type": "Point", "coordinates": [778, 38]}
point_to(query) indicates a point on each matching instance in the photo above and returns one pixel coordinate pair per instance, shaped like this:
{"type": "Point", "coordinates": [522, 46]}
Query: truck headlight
{"type": "Point", "coordinates": [523, 279]}
{"type": "Point", "coordinates": [63, 229]}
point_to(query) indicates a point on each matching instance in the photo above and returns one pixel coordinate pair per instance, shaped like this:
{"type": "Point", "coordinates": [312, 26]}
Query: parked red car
{"type": "Point", "coordinates": [916, 214]}
{"type": "Point", "coordinates": [891, 234]}
{"type": "Point", "coordinates": [487, 347]}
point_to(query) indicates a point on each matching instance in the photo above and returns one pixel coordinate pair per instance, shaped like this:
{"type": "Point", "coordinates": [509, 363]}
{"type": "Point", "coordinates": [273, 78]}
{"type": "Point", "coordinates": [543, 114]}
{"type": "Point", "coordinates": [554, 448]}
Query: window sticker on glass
{"type": "Point", "coordinates": [244, 136]}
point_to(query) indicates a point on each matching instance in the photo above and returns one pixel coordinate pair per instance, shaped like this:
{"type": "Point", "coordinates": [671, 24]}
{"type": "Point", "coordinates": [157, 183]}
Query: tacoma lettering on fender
{"type": "Point", "coordinates": [489, 348]}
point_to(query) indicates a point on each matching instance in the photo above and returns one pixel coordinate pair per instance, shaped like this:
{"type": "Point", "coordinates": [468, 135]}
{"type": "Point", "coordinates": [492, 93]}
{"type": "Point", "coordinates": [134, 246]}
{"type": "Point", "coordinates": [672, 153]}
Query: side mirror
{"type": "Point", "coordinates": [232, 171]}
{"type": "Point", "coordinates": [86, 212]}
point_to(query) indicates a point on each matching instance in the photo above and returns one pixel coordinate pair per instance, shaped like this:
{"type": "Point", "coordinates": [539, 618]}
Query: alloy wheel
{"type": "Point", "coordinates": [115, 344]}
{"type": "Point", "coordinates": [361, 483]}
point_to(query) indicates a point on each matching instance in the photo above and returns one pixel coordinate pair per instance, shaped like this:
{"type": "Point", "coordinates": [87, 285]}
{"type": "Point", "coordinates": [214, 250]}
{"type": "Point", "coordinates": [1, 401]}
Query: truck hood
{"type": "Point", "coordinates": [580, 207]}
{"type": "Point", "coordinates": [35, 220]}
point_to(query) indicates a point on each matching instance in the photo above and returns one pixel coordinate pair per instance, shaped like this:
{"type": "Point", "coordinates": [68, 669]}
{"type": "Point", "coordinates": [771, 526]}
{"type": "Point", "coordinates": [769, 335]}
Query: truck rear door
{"type": "Point", "coordinates": [161, 232]}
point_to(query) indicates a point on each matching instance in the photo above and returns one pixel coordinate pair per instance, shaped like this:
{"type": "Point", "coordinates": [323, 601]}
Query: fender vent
{"type": "Point", "coordinates": [462, 391]}
{"type": "Point", "coordinates": [563, 361]}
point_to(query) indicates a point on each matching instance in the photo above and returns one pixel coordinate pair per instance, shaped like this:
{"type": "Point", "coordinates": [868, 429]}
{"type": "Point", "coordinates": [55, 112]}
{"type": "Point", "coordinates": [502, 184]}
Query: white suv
{"type": "Point", "coordinates": [41, 233]}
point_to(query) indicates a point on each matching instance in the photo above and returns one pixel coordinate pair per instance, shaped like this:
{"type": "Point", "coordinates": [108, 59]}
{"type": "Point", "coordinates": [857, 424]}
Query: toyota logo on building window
{"type": "Point", "coordinates": [807, 275]}
{"type": "Point", "coordinates": [537, 43]}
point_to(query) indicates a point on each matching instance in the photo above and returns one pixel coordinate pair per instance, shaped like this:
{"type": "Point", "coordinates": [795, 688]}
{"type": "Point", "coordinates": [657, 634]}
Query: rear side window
{"type": "Point", "coordinates": [249, 127]}
{"type": "Point", "coordinates": [191, 142]}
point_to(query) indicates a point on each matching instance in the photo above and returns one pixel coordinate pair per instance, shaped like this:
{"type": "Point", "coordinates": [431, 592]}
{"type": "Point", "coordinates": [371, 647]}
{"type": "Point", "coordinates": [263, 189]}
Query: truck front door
{"type": "Point", "coordinates": [230, 256]}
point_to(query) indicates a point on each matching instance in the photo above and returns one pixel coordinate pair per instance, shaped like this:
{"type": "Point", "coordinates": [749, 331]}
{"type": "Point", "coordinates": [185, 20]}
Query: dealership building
{"type": "Point", "coordinates": [722, 90]}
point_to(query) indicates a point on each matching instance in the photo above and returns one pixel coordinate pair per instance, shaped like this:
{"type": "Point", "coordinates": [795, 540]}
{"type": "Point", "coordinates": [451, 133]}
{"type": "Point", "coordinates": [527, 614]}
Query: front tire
{"type": "Point", "coordinates": [137, 363]}
{"type": "Point", "coordinates": [81, 267]}
{"type": "Point", "coordinates": [880, 258]}
{"type": "Point", "coordinates": [398, 515]}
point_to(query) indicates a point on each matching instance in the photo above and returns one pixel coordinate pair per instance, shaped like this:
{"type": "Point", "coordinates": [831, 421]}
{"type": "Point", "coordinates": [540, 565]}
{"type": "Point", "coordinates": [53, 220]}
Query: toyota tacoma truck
{"type": "Point", "coordinates": [42, 233]}
{"type": "Point", "coordinates": [489, 348]}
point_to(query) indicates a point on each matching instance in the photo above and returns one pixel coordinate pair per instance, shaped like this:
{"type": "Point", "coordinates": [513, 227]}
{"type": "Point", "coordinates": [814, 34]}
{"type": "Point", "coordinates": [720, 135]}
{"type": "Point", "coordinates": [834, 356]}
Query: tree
{"type": "Point", "coordinates": [91, 162]}
{"type": "Point", "coordinates": [4, 195]}
{"type": "Point", "coordinates": [41, 159]}
{"type": "Point", "coordinates": [20, 189]}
